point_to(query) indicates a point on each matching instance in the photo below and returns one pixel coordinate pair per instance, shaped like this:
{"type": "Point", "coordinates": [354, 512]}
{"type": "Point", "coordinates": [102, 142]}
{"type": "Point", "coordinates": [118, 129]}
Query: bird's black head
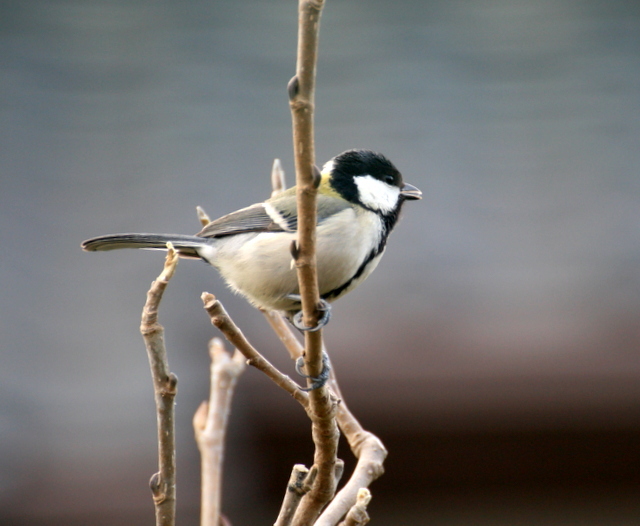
{"type": "Point", "coordinates": [370, 180]}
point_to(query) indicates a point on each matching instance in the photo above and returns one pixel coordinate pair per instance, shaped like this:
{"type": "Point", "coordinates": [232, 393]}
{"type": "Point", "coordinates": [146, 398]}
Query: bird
{"type": "Point", "coordinates": [359, 199]}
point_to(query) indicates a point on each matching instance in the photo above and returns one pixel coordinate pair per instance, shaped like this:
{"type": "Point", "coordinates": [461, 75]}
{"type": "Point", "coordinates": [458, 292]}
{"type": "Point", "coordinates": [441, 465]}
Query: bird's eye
{"type": "Point", "coordinates": [389, 179]}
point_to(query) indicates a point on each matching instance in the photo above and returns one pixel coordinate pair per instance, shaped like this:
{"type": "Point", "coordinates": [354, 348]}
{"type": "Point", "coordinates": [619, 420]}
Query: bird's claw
{"type": "Point", "coordinates": [316, 381]}
{"type": "Point", "coordinates": [324, 308]}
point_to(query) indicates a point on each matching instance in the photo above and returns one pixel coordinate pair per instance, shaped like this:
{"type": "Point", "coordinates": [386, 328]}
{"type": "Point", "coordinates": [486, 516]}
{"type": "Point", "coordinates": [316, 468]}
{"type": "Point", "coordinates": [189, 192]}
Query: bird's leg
{"type": "Point", "coordinates": [316, 381]}
{"type": "Point", "coordinates": [298, 323]}
{"type": "Point", "coordinates": [295, 318]}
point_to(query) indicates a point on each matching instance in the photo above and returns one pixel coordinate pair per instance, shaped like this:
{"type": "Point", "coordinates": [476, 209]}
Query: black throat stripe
{"type": "Point", "coordinates": [386, 229]}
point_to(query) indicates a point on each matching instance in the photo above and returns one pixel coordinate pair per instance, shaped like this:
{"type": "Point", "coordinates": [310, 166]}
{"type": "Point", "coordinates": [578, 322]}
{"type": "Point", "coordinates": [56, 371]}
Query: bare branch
{"type": "Point", "coordinates": [368, 449]}
{"type": "Point", "coordinates": [283, 330]}
{"type": "Point", "coordinates": [322, 406]}
{"type": "Point", "coordinates": [210, 426]}
{"type": "Point", "coordinates": [322, 411]}
{"type": "Point", "coordinates": [278, 182]}
{"type": "Point", "coordinates": [358, 515]}
{"type": "Point", "coordinates": [234, 336]}
{"type": "Point", "coordinates": [371, 454]}
{"type": "Point", "coordinates": [203, 217]}
{"type": "Point", "coordinates": [299, 484]}
{"type": "Point", "coordinates": [163, 483]}
{"type": "Point", "coordinates": [301, 100]}
{"type": "Point", "coordinates": [368, 469]}
{"type": "Point", "coordinates": [338, 470]}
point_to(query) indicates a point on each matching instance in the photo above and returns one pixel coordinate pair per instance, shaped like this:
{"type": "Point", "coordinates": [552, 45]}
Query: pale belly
{"type": "Point", "coordinates": [259, 266]}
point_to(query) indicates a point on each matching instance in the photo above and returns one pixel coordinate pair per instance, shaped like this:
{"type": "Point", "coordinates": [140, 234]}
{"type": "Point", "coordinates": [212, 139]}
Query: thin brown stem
{"type": "Point", "coordinates": [283, 330]}
{"type": "Point", "coordinates": [322, 406]}
{"type": "Point", "coordinates": [301, 99]}
{"type": "Point", "coordinates": [163, 483]}
{"type": "Point", "coordinates": [234, 336]}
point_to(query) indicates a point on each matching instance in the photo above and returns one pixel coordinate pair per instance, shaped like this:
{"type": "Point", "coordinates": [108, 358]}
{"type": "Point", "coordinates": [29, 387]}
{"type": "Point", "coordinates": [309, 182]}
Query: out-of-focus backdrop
{"type": "Point", "coordinates": [496, 350]}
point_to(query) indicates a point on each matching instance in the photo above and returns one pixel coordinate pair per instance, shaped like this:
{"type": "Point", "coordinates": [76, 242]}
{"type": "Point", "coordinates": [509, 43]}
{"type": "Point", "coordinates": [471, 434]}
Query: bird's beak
{"type": "Point", "coordinates": [410, 192]}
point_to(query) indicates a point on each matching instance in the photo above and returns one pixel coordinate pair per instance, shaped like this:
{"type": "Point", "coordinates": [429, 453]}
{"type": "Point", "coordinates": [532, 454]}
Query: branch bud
{"type": "Point", "coordinates": [293, 88]}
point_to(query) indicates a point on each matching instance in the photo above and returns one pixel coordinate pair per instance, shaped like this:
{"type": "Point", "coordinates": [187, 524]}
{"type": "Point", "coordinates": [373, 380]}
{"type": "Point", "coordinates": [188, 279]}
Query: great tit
{"type": "Point", "coordinates": [358, 202]}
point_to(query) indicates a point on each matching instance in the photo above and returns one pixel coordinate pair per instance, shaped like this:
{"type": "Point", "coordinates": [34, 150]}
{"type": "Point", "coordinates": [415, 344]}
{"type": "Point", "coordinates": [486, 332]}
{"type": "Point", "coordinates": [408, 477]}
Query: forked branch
{"type": "Point", "coordinates": [235, 337]}
{"type": "Point", "coordinates": [367, 448]}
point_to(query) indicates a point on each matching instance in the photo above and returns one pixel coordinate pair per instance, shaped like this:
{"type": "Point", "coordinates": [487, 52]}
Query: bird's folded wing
{"type": "Point", "coordinates": [254, 218]}
{"type": "Point", "coordinates": [265, 217]}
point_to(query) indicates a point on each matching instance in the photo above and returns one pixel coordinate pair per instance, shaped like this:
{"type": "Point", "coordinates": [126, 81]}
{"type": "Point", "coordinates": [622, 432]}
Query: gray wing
{"type": "Point", "coordinates": [254, 218]}
{"type": "Point", "coordinates": [264, 217]}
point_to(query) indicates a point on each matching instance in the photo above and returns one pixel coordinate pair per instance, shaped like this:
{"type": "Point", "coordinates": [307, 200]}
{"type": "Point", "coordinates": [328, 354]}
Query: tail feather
{"type": "Point", "coordinates": [187, 246]}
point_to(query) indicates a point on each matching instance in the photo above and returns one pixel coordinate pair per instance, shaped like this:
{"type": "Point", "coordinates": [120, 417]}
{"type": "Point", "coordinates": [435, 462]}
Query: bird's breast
{"type": "Point", "coordinates": [344, 244]}
{"type": "Point", "coordinates": [259, 265]}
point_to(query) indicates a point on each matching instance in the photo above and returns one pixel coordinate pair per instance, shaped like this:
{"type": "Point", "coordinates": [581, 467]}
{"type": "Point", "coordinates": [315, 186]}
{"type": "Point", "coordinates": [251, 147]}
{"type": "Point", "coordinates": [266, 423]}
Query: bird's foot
{"type": "Point", "coordinates": [316, 381]}
{"type": "Point", "coordinates": [298, 322]}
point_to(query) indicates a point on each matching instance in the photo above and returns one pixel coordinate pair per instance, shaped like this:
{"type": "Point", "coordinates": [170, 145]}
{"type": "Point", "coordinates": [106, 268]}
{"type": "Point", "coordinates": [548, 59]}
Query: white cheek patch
{"type": "Point", "coordinates": [377, 195]}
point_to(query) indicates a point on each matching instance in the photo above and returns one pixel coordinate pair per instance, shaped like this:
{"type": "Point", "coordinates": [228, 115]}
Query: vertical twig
{"type": "Point", "coordinates": [301, 96]}
{"type": "Point", "coordinates": [301, 99]}
{"type": "Point", "coordinates": [322, 406]}
{"type": "Point", "coordinates": [278, 180]}
{"type": "Point", "coordinates": [163, 483]}
{"type": "Point", "coordinates": [203, 217]}
{"type": "Point", "coordinates": [210, 426]}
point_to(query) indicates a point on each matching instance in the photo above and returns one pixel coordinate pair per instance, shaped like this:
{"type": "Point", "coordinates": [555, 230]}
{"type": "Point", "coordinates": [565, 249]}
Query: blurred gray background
{"type": "Point", "coordinates": [496, 348]}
